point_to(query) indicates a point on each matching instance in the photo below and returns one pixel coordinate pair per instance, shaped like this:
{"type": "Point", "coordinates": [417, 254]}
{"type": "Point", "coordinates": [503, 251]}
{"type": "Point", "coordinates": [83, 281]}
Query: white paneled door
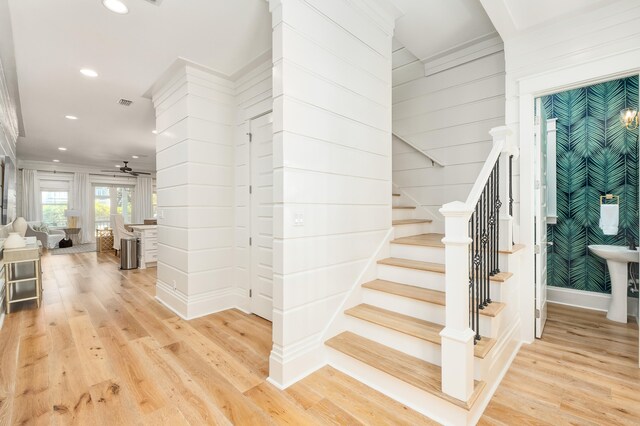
{"type": "Point", "coordinates": [261, 146]}
{"type": "Point", "coordinates": [540, 200]}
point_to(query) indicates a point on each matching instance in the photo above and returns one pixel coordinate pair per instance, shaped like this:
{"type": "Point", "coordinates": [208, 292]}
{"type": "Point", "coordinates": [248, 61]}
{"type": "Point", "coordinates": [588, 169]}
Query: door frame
{"type": "Point", "coordinates": [531, 87]}
{"type": "Point", "coordinates": [252, 210]}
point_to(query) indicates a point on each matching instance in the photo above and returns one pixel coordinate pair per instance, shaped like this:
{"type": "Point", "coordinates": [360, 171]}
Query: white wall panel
{"type": "Point", "coordinates": [332, 159]}
{"type": "Point", "coordinates": [448, 114]}
{"type": "Point", "coordinates": [195, 113]}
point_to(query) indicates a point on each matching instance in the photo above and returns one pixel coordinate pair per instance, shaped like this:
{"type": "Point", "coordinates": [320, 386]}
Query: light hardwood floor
{"type": "Point", "coordinates": [584, 371]}
{"type": "Point", "coordinates": [102, 351]}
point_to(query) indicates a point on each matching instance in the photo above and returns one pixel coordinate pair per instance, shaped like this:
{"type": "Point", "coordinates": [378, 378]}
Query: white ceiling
{"type": "Point", "coordinates": [54, 39]}
{"type": "Point", "coordinates": [429, 28]}
{"type": "Point", "coordinates": [511, 17]}
{"type": "Point", "coordinates": [527, 13]}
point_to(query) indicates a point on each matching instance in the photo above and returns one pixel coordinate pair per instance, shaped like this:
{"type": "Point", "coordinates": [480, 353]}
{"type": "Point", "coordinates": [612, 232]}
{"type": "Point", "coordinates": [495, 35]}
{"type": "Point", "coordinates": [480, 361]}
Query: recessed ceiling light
{"type": "Point", "coordinates": [71, 117]}
{"type": "Point", "coordinates": [134, 156]}
{"type": "Point", "coordinates": [56, 161]}
{"type": "Point", "coordinates": [118, 165]}
{"type": "Point", "coordinates": [87, 72]}
{"type": "Point", "coordinates": [116, 6]}
{"type": "Point", "coordinates": [62, 148]}
{"type": "Point", "coordinates": [155, 132]}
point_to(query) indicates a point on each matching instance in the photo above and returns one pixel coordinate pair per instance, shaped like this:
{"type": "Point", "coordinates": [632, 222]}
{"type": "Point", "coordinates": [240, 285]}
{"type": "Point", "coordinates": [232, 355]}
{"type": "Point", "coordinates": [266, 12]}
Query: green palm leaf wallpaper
{"type": "Point", "coordinates": [596, 155]}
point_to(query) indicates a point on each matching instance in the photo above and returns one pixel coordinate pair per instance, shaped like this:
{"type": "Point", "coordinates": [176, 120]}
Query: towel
{"type": "Point", "coordinates": [609, 219]}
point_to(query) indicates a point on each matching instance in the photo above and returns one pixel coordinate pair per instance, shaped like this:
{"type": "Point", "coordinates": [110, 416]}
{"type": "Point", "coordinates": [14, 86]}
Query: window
{"type": "Point", "coordinates": [112, 200]}
{"type": "Point", "coordinates": [54, 205]}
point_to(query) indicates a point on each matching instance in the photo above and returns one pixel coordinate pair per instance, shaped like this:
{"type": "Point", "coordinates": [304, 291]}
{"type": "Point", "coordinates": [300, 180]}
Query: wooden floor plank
{"type": "Point", "coordinates": [69, 398]}
{"type": "Point", "coordinates": [583, 371]}
{"type": "Point", "coordinates": [92, 352]}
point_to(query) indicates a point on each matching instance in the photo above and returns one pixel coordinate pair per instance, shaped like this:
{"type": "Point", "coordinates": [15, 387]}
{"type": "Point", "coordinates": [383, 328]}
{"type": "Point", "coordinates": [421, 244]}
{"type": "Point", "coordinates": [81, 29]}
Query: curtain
{"type": "Point", "coordinates": [30, 198]}
{"type": "Point", "coordinates": [81, 200]}
{"type": "Point", "coordinates": [143, 206]}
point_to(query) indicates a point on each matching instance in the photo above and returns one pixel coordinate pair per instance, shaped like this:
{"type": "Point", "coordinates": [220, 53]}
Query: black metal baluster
{"type": "Point", "coordinates": [476, 260]}
{"type": "Point", "coordinates": [511, 185]}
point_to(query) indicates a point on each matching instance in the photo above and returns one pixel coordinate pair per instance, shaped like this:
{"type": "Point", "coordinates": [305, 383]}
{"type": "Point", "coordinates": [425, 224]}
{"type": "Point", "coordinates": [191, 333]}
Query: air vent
{"type": "Point", "coordinates": [125, 102]}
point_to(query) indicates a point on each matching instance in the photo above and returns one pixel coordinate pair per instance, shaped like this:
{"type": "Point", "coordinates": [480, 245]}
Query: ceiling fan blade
{"type": "Point", "coordinates": [142, 173]}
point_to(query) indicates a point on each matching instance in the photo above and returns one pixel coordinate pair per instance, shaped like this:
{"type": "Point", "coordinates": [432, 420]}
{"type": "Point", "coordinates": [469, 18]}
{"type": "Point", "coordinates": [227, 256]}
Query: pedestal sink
{"type": "Point", "coordinates": [617, 258]}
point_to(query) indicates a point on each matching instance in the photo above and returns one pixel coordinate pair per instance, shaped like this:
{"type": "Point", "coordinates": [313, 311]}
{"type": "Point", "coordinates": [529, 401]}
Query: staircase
{"type": "Point", "coordinates": [392, 340]}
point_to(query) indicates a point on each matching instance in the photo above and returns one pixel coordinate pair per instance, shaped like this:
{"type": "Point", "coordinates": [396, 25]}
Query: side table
{"type": "Point", "coordinates": [18, 275]}
{"type": "Point", "coordinates": [72, 234]}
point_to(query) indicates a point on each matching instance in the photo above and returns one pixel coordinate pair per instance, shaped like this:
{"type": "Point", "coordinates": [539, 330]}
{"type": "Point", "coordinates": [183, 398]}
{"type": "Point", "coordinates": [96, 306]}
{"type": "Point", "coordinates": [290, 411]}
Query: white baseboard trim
{"type": "Point", "coordinates": [197, 306]}
{"type": "Point", "coordinates": [2, 315]}
{"type": "Point", "coordinates": [293, 364]}
{"type": "Point", "coordinates": [578, 298]}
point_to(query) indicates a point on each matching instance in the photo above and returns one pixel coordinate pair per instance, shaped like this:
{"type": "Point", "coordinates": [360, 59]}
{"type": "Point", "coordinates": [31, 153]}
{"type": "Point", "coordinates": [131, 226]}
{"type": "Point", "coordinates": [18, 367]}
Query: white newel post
{"type": "Point", "coordinates": [457, 337]}
{"type": "Point", "coordinates": [500, 135]}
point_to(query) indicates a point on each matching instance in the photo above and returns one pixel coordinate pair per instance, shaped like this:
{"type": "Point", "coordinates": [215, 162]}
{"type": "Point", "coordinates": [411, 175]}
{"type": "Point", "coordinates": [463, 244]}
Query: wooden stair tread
{"type": "Point", "coordinates": [425, 295]}
{"type": "Point", "coordinates": [432, 267]}
{"type": "Point", "coordinates": [410, 221]}
{"type": "Point", "coordinates": [515, 248]}
{"type": "Point", "coordinates": [435, 240]}
{"type": "Point", "coordinates": [403, 207]}
{"type": "Point", "coordinates": [411, 326]}
{"type": "Point", "coordinates": [395, 195]}
{"type": "Point", "coordinates": [407, 368]}
{"type": "Point", "coordinates": [427, 240]}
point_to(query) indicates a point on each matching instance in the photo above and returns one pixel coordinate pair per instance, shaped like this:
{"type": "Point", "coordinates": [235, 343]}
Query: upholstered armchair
{"type": "Point", "coordinates": [48, 239]}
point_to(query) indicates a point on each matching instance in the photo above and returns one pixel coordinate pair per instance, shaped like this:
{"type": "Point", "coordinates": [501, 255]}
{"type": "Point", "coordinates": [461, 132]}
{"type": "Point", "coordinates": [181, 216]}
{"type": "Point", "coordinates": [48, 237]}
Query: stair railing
{"type": "Point", "coordinates": [475, 231]}
{"type": "Point", "coordinates": [434, 160]}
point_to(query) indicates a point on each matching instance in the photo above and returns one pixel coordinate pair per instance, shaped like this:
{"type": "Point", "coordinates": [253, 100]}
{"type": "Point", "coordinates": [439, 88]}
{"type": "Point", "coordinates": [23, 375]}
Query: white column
{"type": "Point", "coordinates": [457, 337]}
{"type": "Point", "coordinates": [194, 157]}
{"type": "Point", "coordinates": [332, 163]}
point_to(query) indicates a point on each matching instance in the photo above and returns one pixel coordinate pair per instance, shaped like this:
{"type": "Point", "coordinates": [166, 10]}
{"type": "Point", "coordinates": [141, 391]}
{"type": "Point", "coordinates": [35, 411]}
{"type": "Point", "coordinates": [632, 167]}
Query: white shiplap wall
{"type": "Point", "coordinates": [195, 117]}
{"type": "Point", "coordinates": [253, 98]}
{"type": "Point", "coordinates": [332, 165]}
{"type": "Point", "coordinates": [447, 114]}
{"type": "Point", "coordinates": [8, 137]}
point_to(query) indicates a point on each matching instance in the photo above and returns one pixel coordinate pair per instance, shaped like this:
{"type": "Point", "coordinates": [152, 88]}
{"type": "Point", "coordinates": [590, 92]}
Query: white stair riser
{"type": "Point", "coordinates": [422, 253]}
{"type": "Point", "coordinates": [411, 229]}
{"type": "Point", "coordinates": [410, 345]}
{"type": "Point", "coordinates": [430, 280]}
{"type": "Point", "coordinates": [404, 305]}
{"type": "Point", "coordinates": [402, 214]}
{"type": "Point", "coordinates": [416, 277]}
{"type": "Point", "coordinates": [397, 201]}
{"type": "Point", "coordinates": [431, 312]}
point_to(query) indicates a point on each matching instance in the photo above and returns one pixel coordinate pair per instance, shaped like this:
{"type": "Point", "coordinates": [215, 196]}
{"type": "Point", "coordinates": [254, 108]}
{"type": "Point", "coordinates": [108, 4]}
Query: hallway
{"type": "Point", "coordinates": [102, 349]}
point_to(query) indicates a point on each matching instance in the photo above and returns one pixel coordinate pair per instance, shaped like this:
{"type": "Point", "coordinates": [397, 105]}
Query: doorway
{"type": "Point", "coordinates": [261, 193]}
{"type": "Point", "coordinates": [596, 159]}
{"type": "Point", "coordinates": [112, 199]}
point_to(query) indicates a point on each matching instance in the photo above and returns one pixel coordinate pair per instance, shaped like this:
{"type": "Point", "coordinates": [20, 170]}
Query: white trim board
{"type": "Point", "coordinates": [587, 299]}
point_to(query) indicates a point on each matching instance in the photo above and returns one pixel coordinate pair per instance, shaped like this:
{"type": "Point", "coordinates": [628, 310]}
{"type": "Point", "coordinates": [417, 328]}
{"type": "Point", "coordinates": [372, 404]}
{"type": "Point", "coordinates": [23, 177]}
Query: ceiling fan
{"type": "Point", "coordinates": [128, 170]}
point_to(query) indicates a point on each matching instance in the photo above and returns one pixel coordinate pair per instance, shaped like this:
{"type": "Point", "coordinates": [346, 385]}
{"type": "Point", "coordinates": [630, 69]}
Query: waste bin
{"type": "Point", "coordinates": [128, 253]}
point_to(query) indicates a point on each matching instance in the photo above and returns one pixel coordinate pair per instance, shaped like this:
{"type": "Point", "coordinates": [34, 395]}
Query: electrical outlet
{"type": "Point", "coordinates": [298, 219]}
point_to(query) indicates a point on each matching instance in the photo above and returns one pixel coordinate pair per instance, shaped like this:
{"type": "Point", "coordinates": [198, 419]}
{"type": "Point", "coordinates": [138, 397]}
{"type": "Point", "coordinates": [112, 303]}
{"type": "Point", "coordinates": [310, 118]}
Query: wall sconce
{"type": "Point", "coordinates": [629, 118]}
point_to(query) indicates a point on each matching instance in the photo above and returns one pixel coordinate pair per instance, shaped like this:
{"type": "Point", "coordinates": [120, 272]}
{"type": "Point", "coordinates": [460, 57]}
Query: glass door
{"type": "Point", "coordinates": [112, 200]}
